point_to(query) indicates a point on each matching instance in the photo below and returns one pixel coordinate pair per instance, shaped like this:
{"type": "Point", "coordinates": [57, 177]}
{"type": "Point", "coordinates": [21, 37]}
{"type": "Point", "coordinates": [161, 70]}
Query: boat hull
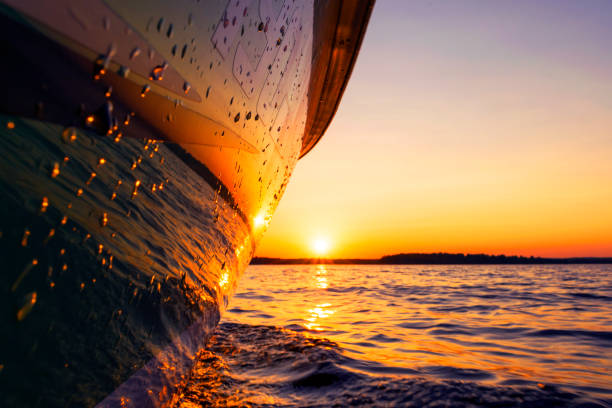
{"type": "Point", "coordinates": [145, 148]}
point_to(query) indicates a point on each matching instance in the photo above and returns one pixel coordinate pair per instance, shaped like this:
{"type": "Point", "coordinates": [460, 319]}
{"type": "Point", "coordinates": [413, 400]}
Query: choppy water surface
{"type": "Point", "coordinates": [412, 336]}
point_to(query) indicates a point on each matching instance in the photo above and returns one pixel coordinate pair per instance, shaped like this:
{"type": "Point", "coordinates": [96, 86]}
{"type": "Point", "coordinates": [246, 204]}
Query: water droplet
{"type": "Point", "coordinates": [44, 205]}
{"type": "Point", "coordinates": [30, 301]}
{"type": "Point", "coordinates": [157, 74]}
{"type": "Point", "coordinates": [144, 91]}
{"type": "Point", "coordinates": [186, 87]}
{"type": "Point", "coordinates": [104, 219]}
{"type": "Point", "coordinates": [135, 191]}
{"type": "Point", "coordinates": [101, 161]}
{"type": "Point", "coordinates": [90, 179]}
{"type": "Point", "coordinates": [79, 192]}
{"type": "Point", "coordinates": [10, 125]}
{"type": "Point", "coordinates": [69, 134]}
{"type": "Point", "coordinates": [102, 62]}
{"type": "Point", "coordinates": [24, 239]}
{"type": "Point", "coordinates": [56, 170]}
{"type": "Point", "coordinates": [108, 92]}
{"type": "Point", "coordinates": [135, 52]}
{"type": "Point", "coordinates": [50, 235]}
{"type": "Point", "coordinates": [123, 71]}
{"type": "Point", "coordinates": [100, 67]}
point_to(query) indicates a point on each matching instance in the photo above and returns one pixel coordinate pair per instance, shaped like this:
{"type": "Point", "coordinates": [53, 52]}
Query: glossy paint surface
{"type": "Point", "coordinates": [226, 80]}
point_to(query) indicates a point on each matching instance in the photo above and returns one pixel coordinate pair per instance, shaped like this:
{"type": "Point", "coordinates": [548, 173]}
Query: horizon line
{"type": "Point", "coordinates": [438, 258]}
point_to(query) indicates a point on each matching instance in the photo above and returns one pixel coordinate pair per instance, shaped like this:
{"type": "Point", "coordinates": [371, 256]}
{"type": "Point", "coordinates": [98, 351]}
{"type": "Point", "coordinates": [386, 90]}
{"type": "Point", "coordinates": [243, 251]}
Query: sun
{"type": "Point", "coordinates": [320, 246]}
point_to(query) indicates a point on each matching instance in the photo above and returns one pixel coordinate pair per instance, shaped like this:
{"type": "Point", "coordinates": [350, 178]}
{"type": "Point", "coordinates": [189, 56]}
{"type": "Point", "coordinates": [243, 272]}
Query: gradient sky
{"type": "Point", "coordinates": [467, 126]}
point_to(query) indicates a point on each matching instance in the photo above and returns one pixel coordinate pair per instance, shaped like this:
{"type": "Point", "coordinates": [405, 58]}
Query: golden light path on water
{"type": "Point", "coordinates": [495, 324]}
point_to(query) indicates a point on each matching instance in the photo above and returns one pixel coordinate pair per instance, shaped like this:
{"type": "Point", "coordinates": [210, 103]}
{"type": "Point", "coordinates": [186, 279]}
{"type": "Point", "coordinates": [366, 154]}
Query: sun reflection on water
{"type": "Point", "coordinates": [318, 313]}
{"type": "Point", "coordinates": [321, 277]}
{"type": "Point", "coordinates": [321, 311]}
{"type": "Point", "coordinates": [464, 322]}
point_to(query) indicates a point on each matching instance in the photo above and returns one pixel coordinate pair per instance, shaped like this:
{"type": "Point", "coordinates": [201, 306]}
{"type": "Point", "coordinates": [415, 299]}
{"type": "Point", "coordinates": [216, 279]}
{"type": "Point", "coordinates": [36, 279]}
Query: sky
{"type": "Point", "coordinates": [467, 126]}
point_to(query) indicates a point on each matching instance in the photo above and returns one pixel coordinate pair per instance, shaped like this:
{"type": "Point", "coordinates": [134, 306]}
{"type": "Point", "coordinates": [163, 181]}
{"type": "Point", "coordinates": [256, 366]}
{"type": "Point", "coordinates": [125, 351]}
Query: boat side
{"type": "Point", "coordinates": [145, 147]}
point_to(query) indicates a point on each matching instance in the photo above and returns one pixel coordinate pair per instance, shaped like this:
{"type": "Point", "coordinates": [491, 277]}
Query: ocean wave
{"type": "Point", "coordinates": [266, 366]}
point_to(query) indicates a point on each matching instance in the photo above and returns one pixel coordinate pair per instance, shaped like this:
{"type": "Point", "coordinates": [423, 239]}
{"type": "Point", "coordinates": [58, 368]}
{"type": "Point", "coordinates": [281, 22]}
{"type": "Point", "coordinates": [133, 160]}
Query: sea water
{"type": "Point", "coordinates": [377, 335]}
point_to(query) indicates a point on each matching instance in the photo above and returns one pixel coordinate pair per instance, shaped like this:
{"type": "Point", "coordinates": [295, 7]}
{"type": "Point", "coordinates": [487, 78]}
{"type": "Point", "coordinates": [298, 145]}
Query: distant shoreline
{"type": "Point", "coordinates": [435, 259]}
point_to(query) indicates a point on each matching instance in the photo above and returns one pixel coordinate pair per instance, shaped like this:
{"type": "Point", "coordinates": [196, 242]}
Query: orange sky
{"type": "Point", "coordinates": [464, 128]}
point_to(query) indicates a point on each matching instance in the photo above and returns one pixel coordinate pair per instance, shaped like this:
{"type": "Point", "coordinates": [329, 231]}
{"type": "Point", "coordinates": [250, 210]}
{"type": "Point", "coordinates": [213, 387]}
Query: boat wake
{"type": "Point", "coordinates": [265, 366]}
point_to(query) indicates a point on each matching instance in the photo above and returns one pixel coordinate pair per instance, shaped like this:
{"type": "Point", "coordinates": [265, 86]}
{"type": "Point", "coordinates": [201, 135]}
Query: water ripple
{"type": "Point", "coordinates": [426, 336]}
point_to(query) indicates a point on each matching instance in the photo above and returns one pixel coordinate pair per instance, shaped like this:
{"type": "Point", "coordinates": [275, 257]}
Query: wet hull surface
{"type": "Point", "coordinates": [145, 146]}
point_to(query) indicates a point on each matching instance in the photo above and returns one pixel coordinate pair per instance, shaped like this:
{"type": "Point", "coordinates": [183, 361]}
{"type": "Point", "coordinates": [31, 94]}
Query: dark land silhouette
{"type": "Point", "coordinates": [434, 259]}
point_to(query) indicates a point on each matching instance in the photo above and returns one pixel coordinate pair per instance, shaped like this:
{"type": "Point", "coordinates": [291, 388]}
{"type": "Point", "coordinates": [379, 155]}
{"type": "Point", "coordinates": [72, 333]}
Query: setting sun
{"type": "Point", "coordinates": [320, 246]}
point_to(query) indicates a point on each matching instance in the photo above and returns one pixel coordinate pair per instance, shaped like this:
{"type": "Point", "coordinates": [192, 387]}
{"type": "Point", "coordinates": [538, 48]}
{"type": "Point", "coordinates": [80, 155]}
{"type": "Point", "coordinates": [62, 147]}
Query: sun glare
{"type": "Point", "coordinates": [320, 246]}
